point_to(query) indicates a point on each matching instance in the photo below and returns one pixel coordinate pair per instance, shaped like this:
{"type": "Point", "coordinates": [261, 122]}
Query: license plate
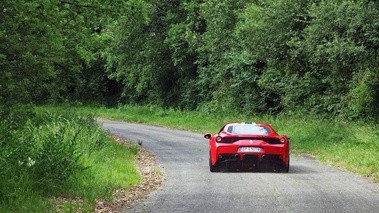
{"type": "Point", "coordinates": [250, 149]}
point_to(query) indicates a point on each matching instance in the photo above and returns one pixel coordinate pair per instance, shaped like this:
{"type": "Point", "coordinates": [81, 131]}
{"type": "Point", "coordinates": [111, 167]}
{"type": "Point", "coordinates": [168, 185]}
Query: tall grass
{"type": "Point", "coordinates": [350, 146]}
{"type": "Point", "coordinates": [48, 155]}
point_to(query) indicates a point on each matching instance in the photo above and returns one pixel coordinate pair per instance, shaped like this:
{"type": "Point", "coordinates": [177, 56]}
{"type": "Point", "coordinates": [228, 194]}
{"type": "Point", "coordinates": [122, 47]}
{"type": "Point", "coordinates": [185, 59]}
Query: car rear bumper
{"type": "Point", "coordinates": [250, 158]}
{"type": "Point", "coordinates": [267, 159]}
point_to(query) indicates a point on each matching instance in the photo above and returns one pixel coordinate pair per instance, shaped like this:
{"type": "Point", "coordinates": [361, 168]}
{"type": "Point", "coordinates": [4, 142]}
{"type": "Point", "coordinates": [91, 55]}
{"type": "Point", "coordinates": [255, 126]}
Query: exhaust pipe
{"type": "Point", "coordinates": [263, 157]}
{"type": "Point", "coordinates": [237, 156]}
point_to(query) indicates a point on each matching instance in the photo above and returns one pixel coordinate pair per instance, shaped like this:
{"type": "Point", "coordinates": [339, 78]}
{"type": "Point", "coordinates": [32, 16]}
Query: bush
{"type": "Point", "coordinates": [363, 97]}
{"type": "Point", "coordinates": [40, 155]}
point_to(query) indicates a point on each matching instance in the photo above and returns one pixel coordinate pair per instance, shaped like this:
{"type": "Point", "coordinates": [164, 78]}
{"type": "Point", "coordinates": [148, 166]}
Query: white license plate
{"type": "Point", "coordinates": [250, 149]}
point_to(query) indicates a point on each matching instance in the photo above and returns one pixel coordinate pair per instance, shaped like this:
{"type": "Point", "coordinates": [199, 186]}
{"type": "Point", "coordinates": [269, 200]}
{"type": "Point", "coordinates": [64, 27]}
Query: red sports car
{"type": "Point", "coordinates": [248, 146]}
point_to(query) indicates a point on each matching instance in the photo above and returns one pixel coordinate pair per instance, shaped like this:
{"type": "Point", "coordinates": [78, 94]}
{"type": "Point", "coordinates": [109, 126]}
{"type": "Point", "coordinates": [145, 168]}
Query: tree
{"type": "Point", "coordinates": [341, 43]}
{"type": "Point", "coordinates": [48, 45]}
{"type": "Point", "coordinates": [152, 53]}
{"type": "Point", "coordinates": [220, 61]}
{"type": "Point", "coordinates": [29, 42]}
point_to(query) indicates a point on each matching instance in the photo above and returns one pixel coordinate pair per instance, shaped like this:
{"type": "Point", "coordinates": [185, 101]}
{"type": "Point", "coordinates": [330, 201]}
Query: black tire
{"type": "Point", "coordinates": [211, 167]}
{"type": "Point", "coordinates": [287, 168]}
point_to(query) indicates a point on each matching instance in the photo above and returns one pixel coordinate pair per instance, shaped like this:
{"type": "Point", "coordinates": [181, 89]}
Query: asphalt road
{"type": "Point", "coordinates": [191, 187]}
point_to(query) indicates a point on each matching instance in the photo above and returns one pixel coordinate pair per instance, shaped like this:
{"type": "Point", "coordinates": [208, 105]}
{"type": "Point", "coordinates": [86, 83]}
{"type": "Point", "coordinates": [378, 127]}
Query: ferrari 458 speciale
{"type": "Point", "coordinates": [247, 146]}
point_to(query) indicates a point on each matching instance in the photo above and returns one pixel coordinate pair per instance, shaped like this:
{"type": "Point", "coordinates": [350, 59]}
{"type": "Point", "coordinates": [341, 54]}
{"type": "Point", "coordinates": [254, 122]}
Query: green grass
{"type": "Point", "coordinates": [350, 146]}
{"type": "Point", "coordinates": [111, 169]}
{"type": "Point", "coordinates": [44, 156]}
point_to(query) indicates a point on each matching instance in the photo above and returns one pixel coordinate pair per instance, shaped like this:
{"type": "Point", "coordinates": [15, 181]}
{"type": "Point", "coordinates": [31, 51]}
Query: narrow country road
{"type": "Point", "coordinates": [191, 187]}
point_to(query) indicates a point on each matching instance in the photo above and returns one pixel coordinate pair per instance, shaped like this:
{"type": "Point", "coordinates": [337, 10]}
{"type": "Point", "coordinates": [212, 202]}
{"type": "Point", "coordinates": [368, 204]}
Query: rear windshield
{"type": "Point", "coordinates": [248, 129]}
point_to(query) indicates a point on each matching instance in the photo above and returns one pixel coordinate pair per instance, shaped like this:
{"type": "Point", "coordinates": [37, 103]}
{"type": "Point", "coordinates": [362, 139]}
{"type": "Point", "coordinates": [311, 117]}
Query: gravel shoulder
{"type": "Point", "coordinates": [152, 179]}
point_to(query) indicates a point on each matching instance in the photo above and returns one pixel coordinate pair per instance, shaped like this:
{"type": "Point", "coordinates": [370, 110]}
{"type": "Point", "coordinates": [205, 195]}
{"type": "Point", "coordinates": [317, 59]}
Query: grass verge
{"type": "Point", "coordinates": [46, 158]}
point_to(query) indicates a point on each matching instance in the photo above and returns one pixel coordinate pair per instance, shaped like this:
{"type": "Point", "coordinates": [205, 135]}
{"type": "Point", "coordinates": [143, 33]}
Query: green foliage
{"type": "Point", "coordinates": [49, 151]}
{"type": "Point", "coordinates": [47, 154]}
{"type": "Point", "coordinates": [28, 42]}
{"type": "Point", "coordinates": [267, 31]}
{"type": "Point", "coordinates": [58, 148]}
{"type": "Point", "coordinates": [251, 57]}
{"type": "Point", "coordinates": [363, 97]}
{"type": "Point", "coordinates": [310, 52]}
{"type": "Point", "coordinates": [140, 55]}
{"type": "Point", "coordinates": [52, 49]}
{"type": "Point", "coordinates": [183, 38]}
{"type": "Point", "coordinates": [227, 76]}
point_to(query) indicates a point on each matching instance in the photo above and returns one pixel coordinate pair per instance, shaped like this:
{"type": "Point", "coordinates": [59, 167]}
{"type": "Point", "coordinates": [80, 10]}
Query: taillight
{"type": "Point", "coordinates": [218, 139]}
{"type": "Point", "coordinates": [282, 140]}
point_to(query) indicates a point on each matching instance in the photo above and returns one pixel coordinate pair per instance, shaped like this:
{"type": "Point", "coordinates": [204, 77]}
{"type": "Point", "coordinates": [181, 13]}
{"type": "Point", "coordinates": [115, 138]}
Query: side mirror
{"type": "Point", "coordinates": [207, 136]}
{"type": "Point", "coordinates": [288, 137]}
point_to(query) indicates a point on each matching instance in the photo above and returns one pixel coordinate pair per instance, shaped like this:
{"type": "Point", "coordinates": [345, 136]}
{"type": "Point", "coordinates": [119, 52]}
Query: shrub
{"type": "Point", "coordinates": [45, 151]}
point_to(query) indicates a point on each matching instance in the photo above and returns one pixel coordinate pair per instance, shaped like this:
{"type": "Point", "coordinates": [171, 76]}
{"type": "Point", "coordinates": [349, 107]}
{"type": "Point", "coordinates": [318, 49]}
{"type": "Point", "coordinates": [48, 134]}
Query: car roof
{"type": "Point", "coordinates": [249, 123]}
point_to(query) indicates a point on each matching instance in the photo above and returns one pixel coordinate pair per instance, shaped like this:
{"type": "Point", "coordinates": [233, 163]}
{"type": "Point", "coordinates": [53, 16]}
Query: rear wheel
{"type": "Point", "coordinates": [287, 168]}
{"type": "Point", "coordinates": [212, 168]}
